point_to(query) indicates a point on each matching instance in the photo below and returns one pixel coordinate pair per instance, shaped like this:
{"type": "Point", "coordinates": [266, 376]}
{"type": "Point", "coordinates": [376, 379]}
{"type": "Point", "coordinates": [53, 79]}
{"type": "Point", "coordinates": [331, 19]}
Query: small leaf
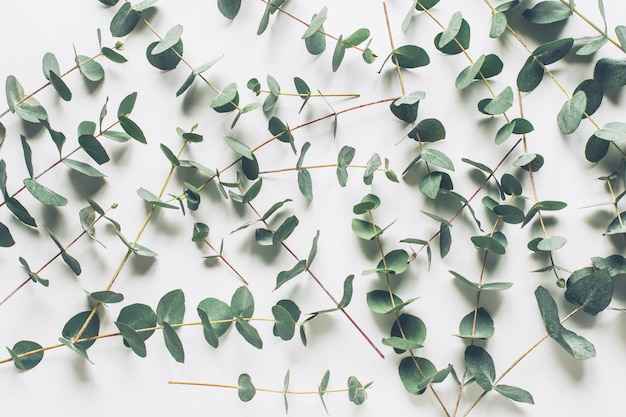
{"type": "Point", "coordinates": [313, 251]}
{"type": "Point", "coordinates": [239, 147]}
{"type": "Point", "coordinates": [75, 325]}
{"type": "Point", "coordinates": [59, 85]}
{"type": "Point", "coordinates": [338, 54]}
{"type": "Point", "coordinates": [285, 276]}
{"type": "Point", "coordinates": [284, 325]}
{"type": "Point", "coordinates": [249, 333]}
{"type": "Point", "coordinates": [113, 55]}
{"type": "Point", "coordinates": [483, 328]}
{"type": "Point", "coordinates": [6, 239]}
{"type": "Point", "coordinates": [480, 364]}
{"type": "Point", "coordinates": [20, 212]}
{"type": "Point", "coordinates": [28, 155]}
{"type": "Point", "coordinates": [94, 149]}
{"type": "Point", "coordinates": [107, 297]}
{"type": "Point", "coordinates": [416, 374]}
{"type": "Point", "coordinates": [83, 168]}
{"type": "Point", "coordinates": [69, 260]}
{"type": "Point", "coordinates": [428, 130]}
{"type": "Point", "coordinates": [593, 291]}
{"type": "Point", "coordinates": [462, 36]}
{"type": "Point", "coordinates": [167, 60]}
{"type": "Point", "coordinates": [498, 105]}
{"type": "Point", "coordinates": [410, 329]}
{"type": "Point", "coordinates": [170, 39]}
{"type": "Point", "coordinates": [596, 149]}
{"type": "Point", "coordinates": [133, 339]}
{"type": "Point", "coordinates": [445, 240]}
{"type": "Point", "coordinates": [305, 184]}
{"type": "Point", "coordinates": [127, 105]}
{"type": "Point", "coordinates": [572, 112]}
{"type": "Point", "coordinates": [394, 262]}
{"type": "Point", "coordinates": [438, 158]}
{"type": "Point", "coordinates": [410, 56]}
{"type": "Point", "coordinates": [124, 21]}
{"type": "Point", "coordinates": [356, 392]}
{"type": "Point", "coordinates": [368, 202]}
{"type": "Point", "coordinates": [451, 31]}
{"type": "Point", "coordinates": [246, 390]}
{"type": "Point", "coordinates": [547, 12]}
{"type": "Point", "coordinates": [381, 302]}
{"type": "Point", "coordinates": [43, 194]}
{"type": "Point", "coordinates": [316, 23]}
{"type": "Point", "coordinates": [372, 165]}
{"type": "Point", "coordinates": [498, 25]}
{"type": "Point", "coordinates": [200, 232]}
{"type": "Point", "coordinates": [173, 343]}
{"type": "Point", "coordinates": [171, 308]}
{"type": "Point", "coordinates": [132, 129]}
{"type": "Point", "coordinates": [514, 393]}
{"type": "Point", "coordinates": [29, 361]}
{"type": "Point", "coordinates": [229, 8]}
{"type": "Point", "coordinates": [75, 348]}
{"type": "Point", "coordinates": [218, 313]}
{"type": "Point", "coordinates": [285, 229]}
{"type": "Point", "coordinates": [89, 68]}
{"type": "Point", "coordinates": [316, 43]}
{"type": "Point", "coordinates": [365, 230]}
{"type": "Point", "coordinates": [138, 317]}
{"type": "Point", "coordinates": [242, 302]}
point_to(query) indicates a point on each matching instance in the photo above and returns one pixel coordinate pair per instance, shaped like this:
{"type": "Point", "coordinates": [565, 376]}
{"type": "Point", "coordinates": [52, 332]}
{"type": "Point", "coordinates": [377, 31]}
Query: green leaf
{"type": "Point", "coordinates": [6, 239]}
{"type": "Point", "coordinates": [28, 155]}
{"type": "Point", "coordinates": [547, 12]}
{"type": "Point", "coordinates": [173, 343]}
{"type": "Point", "coordinates": [200, 232]}
{"type": "Point", "coordinates": [480, 364]}
{"type": "Point", "coordinates": [313, 251]}
{"type": "Point", "coordinates": [498, 105]}
{"type": "Point", "coordinates": [285, 229]}
{"type": "Point", "coordinates": [488, 243]}
{"type": "Point", "coordinates": [515, 393]}
{"type": "Point", "coordinates": [594, 93]}
{"type": "Point", "coordinates": [167, 60]}
{"type": "Point", "coordinates": [132, 129]}
{"type": "Point", "coordinates": [381, 302]}
{"type": "Point", "coordinates": [510, 185]}
{"type": "Point", "coordinates": [438, 158]}
{"type": "Point", "coordinates": [529, 161]}
{"type": "Point", "coordinates": [242, 302]}
{"type": "Point", "coordinates": [170, 39]}
{"type": "Point", "coordinates": [368, 202]}
{"type": "Point", "coordinates": [249, 333]}
{"type": "Point", "coordinates": [428, 130]}
{"type": "Point", "coordinates": [347, 292]}
{"type": "Point", "coordinates": [20, 212]}
{"type": "Point", "coordinates": [305, 184]}
{"type": "Point", "coordinates": [127, 105]}
{"type": "Point", "coordinates": [372, 165]}
{"type": "Point", "coordinates": [117, 136]}
{"type": "Point", "coordinates": [94, 148]}
{"type": "Point", "coordinates": [14, 92]}
{"type": "Point", "coordinates": [285, 276]}
{"type": "Point", "coordinates": [410, 56]}
{"type": "Point", "coordinates": [303, 89]}
{"type": "Point", "coordinates": [246, 390]}
{"type": "Point", "coordinates": [405, 108]}
{"type": "Point", "coordinates": [492, 286]}
{"type": "Point", "coordinates": [365, 230]}
{"type": "Point", "coordinates": [612, 131]}
{"type": "Point", "coordinates": [543, 205]}
{"type": "Point", "coordinates": [218, 313]}
{"type": "Point", "coordinates": [59, 85]}
{"type": "Point", "coordinates": [43, 194]}
{"type": "Point", "coordinates": [394, 262]}
{"type": "Point", "coordinates": [615, 264]}
{"type": "Point", "coordinates": [316, 43]}
{"type": "Point", "coordinates": [509, 214]}
{"type": "Point", "coordinates": [551, 243]}
{"type": "Point", "coordinates": [89, 68]}
{"type": "Point", "coordinates": [316, 23]}
{"type": "Point", "coordinates": [553, 51]}
{"type": "Point", "coordinates": [107, 297]}
{"type": "Point", "coordinates": [29, 361]}
{"type": "Point", "coordinates": [596, 149]}
{"type": "Point", "coordinates": [451, 31]}
{"type": "Point", "coordinates": [592, 45]}
{"type": "Point", "coordinates": [31, 111]}
{"type": "Point", "coordinates": [239, 147]}
{"type": "Point", "coordinates": [425, 4]}
{"type": "Point", "coordinates": [75, 325]}
{"type": "Point", "coordinates": [462, 37]}
{"type": "Point", "coordinates": [3, 132]}
{"type": "Point", "coordinates": [75, 348]}
{"type": "Point", "coordinates": [338, 54]}
{"type": "Point", "coordinates": [124, 21]}
{"type": "Point", "coordinates": [171, 308]}
{"type": "Point", "coordinates": [229, 8]}
{"type": "Point", "coordinates": [113, 55]}
{"type": "Point", "coordinates": [285, 324]}
{"type": "Point", "coordinates": [356, 392]}
{"type": "Point", "coordinates": [465, 77]}
{"type": "Point", "coordinates": [572, 113]}
{"type": "Point", "coordinates": [411, 332]}
{"type": "Point", "coordinates": [132, 339]}
{"type": "Point", "coordinates": [593, 291]}
{"type": "Point", "coordinates": [83, 168]}
{"type": "Point", "coordinates": [499, 23]}
{"type": "Point", "coordinates": [484, 325]}
{"type": "Point", "coordinates": [137, 317]}
{"type": "Point", "coordinates": [416, 374]}
{"type": "Point", "coordinates": [69, 260]}
{"type": "Point", "coordinates": [445, 240]}
{"type": "Point", "coordinates": [358, 37]}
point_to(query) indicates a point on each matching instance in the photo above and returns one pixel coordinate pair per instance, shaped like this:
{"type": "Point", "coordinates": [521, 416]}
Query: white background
{"type": "Point", "coordinates": [121, 382]}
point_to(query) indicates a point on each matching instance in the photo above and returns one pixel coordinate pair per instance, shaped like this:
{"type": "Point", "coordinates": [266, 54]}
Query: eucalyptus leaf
{"type": "Point", "coordinates": [22, 357]}
{"type": "Point", "coordinates": [167, 60]}
{"type": "Point", "coordinates": [138, 317]}
{"type": "Point", "coordinates": [44, 194]}
{"type": "Point", "coordinates": [285, 276]}
{"type": "Point", "coordinates": [124, 21]}
{"type": "Point", "coordinates": [593, 292]}
{"type": "Point", "coordinates": [246, 390]}
{"type": "Point", "coordinates": [610, 72]}
{"type": "Point", "coordinates": [171, 308]}
{"type": "Point", "coordinates": [572, 113]}
{"type": "Point", "coordinates": [75, 325]}
{"type": "Point", "coordinates": [170, 39]}
{"type": "Point", "coordinates": [133, 339]}
{"type": "Point", "coordinates": [173, 343]}
{"type": "Point", "coordinates": [229, 8]}
{"type": "Point", "coordinates": [249, 333]}
{"type": "Point", "coordinates": [476, 325]}
{"type": "Point", "coordinates": [514, 393]}
{"type": "Point", "coordinates": [546, 12]}
{"type": "Point", "coordinates": [480, 364]}
{"type": "Point", "coordinates": [410, 56]}
{"type": "Point", "coordinates": [219, 314]}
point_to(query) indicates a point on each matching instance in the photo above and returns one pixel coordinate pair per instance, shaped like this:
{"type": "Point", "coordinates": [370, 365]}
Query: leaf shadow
{"type": "Point", "coordinates": [85, 185]}
{"type": "Point", "coordinates": [140, 265]}
{"type": "Point", "coordinates": [538, 33]}
{"type": "Point", "coordinates": [52, 218]}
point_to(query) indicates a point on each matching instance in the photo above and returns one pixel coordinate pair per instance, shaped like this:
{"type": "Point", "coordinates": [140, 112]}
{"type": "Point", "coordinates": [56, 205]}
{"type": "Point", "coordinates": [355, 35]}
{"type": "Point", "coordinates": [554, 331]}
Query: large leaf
{"type": "Point", "coordinates": [480, 364]}
{"type": "Point", "coordinates": [171, 308]}
{"type": "Point", "coordinates": [593, 291]}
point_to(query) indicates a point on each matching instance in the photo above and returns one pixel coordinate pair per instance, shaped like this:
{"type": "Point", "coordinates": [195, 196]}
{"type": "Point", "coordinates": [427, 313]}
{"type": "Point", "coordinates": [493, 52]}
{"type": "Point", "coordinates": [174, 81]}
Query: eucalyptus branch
{"type": "Point", "coordinates": [275, 391]}
{"type": "Point", "coordinates": [59, 162]}
{"type": "Point", "coordinates": [221, 256]}
{"type": "Point", "coordinates": [282, 93]}
{"type": "Point", "coordinates": [393, 48]}
{"type": "Point", "coordinates": [518, 360]}
{"type": "Point", "coordinates": [130, 250]}
{"type": "Point", "coordinates": [593, 25]}
{"type": "Point", "coordinates": [46, 264]}
{"type": "Point", "coordinates": [49, 83]}
{"type": "Point", "coordinates": [322, 286]}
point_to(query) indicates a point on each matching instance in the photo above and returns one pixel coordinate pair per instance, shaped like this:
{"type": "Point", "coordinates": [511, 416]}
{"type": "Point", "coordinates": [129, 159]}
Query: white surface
{"type": "Point", "coordinates": [120, 381]}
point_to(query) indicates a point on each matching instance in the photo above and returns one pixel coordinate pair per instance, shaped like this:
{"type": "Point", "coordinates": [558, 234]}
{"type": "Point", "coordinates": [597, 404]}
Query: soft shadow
{"type": "Point", "coordinates": [52, 218]}
{"type": "Point", "coordinates": [85, 185]}
{"type": "Point", "coordinates": [140, 265]}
